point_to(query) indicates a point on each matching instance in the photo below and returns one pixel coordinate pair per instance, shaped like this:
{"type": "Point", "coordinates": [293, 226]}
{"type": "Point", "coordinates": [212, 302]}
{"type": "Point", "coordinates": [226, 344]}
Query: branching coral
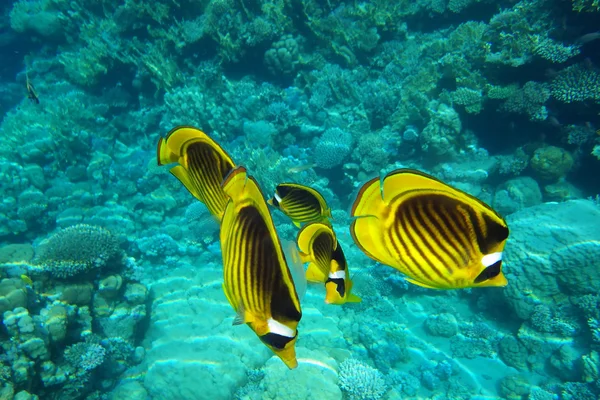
{"type": "Point", "coordinates": [360, 381]}
{"type": "Point", "coordinates": [576, 83]}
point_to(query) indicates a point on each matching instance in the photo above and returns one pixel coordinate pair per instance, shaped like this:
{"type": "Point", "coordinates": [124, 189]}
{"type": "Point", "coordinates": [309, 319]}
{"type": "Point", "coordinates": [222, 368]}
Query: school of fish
{"type": "Point", "coordinates": [437, 236]}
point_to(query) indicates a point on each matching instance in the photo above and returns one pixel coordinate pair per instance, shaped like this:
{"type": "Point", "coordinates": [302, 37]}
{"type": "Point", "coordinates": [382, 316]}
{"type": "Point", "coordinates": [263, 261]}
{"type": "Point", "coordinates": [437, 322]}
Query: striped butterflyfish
{"type": "Point", "coordinates": [438, 236]}
{"type": "Point", "coordinates": [326, 262]}
{"type": "Point", "coordinates": [257, 281]}
{"type": "Point", "coordinates": [301, 203]}
{"type": "Point", "coordinates": [202, 165]}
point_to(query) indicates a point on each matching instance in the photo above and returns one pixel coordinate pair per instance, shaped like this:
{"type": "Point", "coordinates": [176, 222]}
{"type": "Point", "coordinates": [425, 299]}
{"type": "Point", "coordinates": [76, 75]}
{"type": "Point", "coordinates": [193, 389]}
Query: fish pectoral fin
{"type": "Point", "coordinates": [242, 317]}
{"type": "Point", "coordinates": [305, 258]}
{"type": "Point", "coordinates": [314, 273]}
{"type": "Point", "coordinates": [418, 283]}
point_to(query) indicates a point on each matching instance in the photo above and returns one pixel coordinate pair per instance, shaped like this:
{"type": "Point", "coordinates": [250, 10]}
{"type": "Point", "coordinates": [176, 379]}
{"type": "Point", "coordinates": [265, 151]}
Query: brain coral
{"type": "Point", "coordinates": [77, 249]}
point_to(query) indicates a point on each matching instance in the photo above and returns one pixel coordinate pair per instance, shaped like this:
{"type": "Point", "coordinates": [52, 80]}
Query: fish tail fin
{"type": "Point", "coordinates": [352, 298]}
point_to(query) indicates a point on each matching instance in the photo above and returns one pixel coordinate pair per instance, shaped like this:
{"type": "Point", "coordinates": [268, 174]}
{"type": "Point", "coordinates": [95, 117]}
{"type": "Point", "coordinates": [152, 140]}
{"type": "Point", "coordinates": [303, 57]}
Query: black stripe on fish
{"type": "Point", "coordinates": [276, 340]}
{"type": "Point", "coordinates": [203, 166]}
{"type": "Point", "coordinates": [338, 255]}
{"type": "Point", "coordinates": [443, 250]}
{"type": "Point", "coordinates": [462, 243]}
{"type": "Point", "coordinates": [427, 252]}
{"type": "Point", "coordinates": [412, 245]}
{"type": "Point", "coordinates": [263, 269]}
{"type": "Point", "coordinates": [490, 272]}
{"type": "Point", "coordinates": [340, 285]}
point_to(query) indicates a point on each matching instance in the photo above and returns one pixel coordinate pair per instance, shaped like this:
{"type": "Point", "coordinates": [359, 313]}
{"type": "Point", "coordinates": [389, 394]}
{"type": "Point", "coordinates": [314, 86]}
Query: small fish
{"type": "Point", "coordinates": [31, 92]}
{"type": "Point", "coordinates": [439, 237]}
{"type": "Point", "coordinates": [202, 165]}
{"type": "Point", "coordinates": [257, 280]}
{"type": "Point", "coordinates": [327, 263]}
{"type": "Point", "coordinates": [301, 203]}
{"type": "Point", "coordinates": [301, 168]}
{"type": "Point", "coordinates": [588, 37]}
{"type": "Point", "coordinates": [26, 280]}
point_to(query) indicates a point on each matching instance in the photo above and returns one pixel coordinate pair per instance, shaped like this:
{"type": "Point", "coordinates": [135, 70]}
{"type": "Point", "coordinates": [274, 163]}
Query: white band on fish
{"type": "Point", "coordinates": [277, 197]}
{"type": "Point", "coordinates": [280, 329]}
{"type": "Point", "coordinates": [337, 274]}
{"type": "Point", "coordinates": [491, 259]}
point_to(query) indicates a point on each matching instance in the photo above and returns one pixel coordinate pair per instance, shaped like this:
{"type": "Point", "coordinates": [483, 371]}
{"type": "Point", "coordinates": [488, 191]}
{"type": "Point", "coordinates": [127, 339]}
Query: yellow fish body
{"type": "Point", "coordinates": [26, 280]}
{"type": "Point", "coordinates": [202, 165]}
{"type": "Point", "coordinates": [327, 263]}
{"type": "Point", "coordinates": [438, 236]}
{"type": "Point", "coordinates": [257, 281]}
{"type": "Point", "coordinates": [301, 203]}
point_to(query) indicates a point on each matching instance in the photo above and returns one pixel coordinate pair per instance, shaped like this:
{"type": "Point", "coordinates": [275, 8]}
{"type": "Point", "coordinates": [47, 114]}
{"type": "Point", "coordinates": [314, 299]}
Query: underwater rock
{"type": "Point", "coordinates": [36, 349]}
{"type": "Point", "coordinates": [283, 56]}
{"type": "Point", "coordinates": [79, 294]}
{"type": "Point", "coordinates": [109, 287]}
{"type": "Point", "coordinates": [54, 318]}
{"type": "Point", "coordinates": [514, 387]}
{"type": "Point", "coordinates": [549, 253]}
{"type": "Point", "coordinates": [24, 395]}
{"type": "Point", "coordinates": [513, 353]}
{"type": "Point", "coordinates": [562, 191]}
{"type": "Point", "coordinates": [136, 293]}
{"type": "Point", "coordinates": [16, 252]}
{"type": "Point", "coordinates": [129, 390]}
{"type": "Point", "coordinates": [51, 374]}
{"type": "Point", "coordinates": [122, 321]}
{"type": "Point", "coordinates": [591, 366]}
{"type": "Point", "coordinates": [551, 163]}
{"type": "Point", "coordinates": [315, 378]}
{"type": "Point", "coordinates": [444, 325]}
{"type": "Point", "coordinates": [567, 363]}
{"type": "Point", "coordinates": [516, 194]}
{"type": "Point", "coordinates": [12, 294]}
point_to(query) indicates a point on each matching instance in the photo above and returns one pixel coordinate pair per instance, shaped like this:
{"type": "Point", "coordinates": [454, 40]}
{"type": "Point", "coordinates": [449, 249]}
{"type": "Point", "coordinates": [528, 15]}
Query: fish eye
{"type": "Point", "coordinates": [490, 272]}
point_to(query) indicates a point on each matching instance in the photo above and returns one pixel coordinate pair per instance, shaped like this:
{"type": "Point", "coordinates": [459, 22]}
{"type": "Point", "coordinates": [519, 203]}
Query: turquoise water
{"type": "Point", "coordinates": [111, 277]}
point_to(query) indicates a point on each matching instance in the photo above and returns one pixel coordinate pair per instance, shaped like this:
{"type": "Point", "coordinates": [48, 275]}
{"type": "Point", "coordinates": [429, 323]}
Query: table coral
{"type": "Point", "coordinates": [77, 249]}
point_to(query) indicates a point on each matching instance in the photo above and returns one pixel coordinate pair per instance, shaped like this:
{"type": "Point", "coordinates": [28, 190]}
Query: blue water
{"type": "Point", "coordinates": [111, 272]}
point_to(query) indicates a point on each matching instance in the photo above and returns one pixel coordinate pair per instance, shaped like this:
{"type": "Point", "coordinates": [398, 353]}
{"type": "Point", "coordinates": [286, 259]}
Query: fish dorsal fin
{"type": "Point", "coordinates": [164, 155]}
{"type": "Point", "coordinates": [179, 138]}
{"type": "Point", "coordinates": [314, 192]}
{"type": "Point", "coordinates": [202, 165]}
{"type": "Point", "coordinates": [403, 181]}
